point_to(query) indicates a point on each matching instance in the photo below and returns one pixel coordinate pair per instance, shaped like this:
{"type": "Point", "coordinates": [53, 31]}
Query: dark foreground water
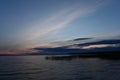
{"type": "Point", "coordinates": [39, 68]}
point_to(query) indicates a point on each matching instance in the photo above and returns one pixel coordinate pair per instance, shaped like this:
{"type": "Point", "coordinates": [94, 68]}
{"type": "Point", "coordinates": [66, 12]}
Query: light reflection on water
{"type": "Point", "coordinates": [38, 68]}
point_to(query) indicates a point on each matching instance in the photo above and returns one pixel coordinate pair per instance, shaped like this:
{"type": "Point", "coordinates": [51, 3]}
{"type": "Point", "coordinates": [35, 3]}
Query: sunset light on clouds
{"type": "Point", "coordinates": [30, 24]}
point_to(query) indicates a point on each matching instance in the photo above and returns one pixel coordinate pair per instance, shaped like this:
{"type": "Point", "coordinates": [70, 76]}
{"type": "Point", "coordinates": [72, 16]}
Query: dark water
{"type": "Point", "coordinates": [38, 68]}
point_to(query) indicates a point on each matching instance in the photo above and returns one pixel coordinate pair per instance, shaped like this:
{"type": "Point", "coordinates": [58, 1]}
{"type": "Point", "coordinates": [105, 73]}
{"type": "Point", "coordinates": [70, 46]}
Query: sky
{"type": "Point", "coordinates": [30, 26]}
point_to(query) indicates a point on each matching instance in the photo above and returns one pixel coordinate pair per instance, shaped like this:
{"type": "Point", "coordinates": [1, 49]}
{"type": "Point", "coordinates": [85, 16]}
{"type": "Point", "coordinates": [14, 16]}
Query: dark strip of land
{"type": "Point", "coordinates": [115, 55]}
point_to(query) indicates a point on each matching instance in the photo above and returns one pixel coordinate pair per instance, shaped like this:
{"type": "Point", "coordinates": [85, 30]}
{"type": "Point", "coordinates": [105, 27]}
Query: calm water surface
{"type": "Point", "coordinates": [38, 68]}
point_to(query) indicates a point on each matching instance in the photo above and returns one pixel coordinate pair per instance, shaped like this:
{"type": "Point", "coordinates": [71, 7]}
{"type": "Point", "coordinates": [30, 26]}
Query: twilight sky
{"type": "Point", "coordinates": [30, 25]}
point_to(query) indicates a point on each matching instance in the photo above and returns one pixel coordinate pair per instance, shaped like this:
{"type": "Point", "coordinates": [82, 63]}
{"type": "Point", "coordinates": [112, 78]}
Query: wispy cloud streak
{"type": "Point", "coordinates": [56, 21]}
{"type": "Point", "coordinates": [60, 19]}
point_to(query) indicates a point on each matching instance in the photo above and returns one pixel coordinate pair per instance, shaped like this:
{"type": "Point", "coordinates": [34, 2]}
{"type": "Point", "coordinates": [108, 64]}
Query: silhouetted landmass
{"type": "Point", "coordinates": [7, 55]}
{"type": "Point", "coordinates": [114, 55]}
{"type": "Point", "coordinates": [111, 55]}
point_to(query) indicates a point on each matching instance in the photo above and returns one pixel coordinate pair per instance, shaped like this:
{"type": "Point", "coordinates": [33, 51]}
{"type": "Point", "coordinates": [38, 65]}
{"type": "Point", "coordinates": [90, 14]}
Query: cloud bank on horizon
{"type": "Point", "coordinates": [90, 46]}
{"type": "Point", "coordinates": [30, 24]}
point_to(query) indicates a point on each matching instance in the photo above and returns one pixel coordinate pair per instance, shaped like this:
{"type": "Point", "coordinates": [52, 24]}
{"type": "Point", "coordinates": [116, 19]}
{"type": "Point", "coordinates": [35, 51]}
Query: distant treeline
{"type": "Point", "coordinates": [101, 55]}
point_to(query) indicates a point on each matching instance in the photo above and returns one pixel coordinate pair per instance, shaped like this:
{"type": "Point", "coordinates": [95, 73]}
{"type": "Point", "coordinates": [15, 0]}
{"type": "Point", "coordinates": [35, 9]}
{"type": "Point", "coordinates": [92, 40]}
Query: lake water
{"type": "Point", "coordinates": [39, 68]}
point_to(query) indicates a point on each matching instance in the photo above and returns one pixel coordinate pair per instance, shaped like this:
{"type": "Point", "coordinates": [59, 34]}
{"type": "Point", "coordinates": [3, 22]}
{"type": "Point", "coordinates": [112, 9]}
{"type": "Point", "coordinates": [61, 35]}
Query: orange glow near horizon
{"type": "Point", "coordinates": [8, 52]}
{"type": "Point", "coordinates": [18, 52]}
{"type": "Point", "coordinates": [97, 46]}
